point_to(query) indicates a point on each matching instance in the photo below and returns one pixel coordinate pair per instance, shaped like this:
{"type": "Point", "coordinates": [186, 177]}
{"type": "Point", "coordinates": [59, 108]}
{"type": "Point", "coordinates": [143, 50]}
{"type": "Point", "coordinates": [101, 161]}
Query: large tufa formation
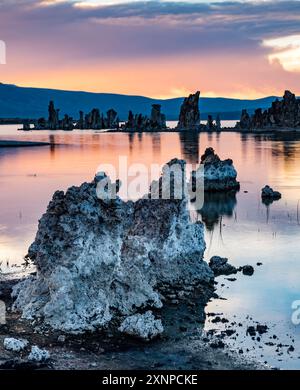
{"type": "Point", "coordinates": [283, 113]}
{"type": "Point", "coordinates": [100, 261]}
{"type": "Point", "coordinates": [139, 122]}
{"type": "Point", "coordinates": [189, 117]}
{"type": "Point", "coordinates": [218, 175]}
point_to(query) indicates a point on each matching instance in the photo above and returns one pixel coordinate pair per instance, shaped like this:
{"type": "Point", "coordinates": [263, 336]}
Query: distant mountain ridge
{"type": "Point", "coordinates": [25, 102]}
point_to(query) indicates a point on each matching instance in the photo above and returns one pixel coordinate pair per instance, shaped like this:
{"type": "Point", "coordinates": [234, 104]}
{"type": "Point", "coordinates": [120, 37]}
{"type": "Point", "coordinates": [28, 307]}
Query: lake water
{"type": "Point", "coordinates": [240, 228]}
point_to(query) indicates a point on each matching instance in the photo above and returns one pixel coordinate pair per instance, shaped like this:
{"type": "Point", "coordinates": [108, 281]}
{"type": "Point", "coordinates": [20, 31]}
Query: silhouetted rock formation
{"type": "Point", "coordinates": [218, 123]}
{"type": "Point", "coordinates": [111, 121]}
{"type": "Point", "coordinates": [189, 117]}
{"type": "Point", "coordinates": [283, 113]}
{"type": "Point", "coordinates": [212, 125]}
{"type": "Point", "coordinates": [53, 119]}
{"type": "Point", "coordinates": [156, 122]}
{"type": "Point", "coordinates": [245, 122]}
{"type": "Point", "coordinates": [93, 120]}
{"type": "Point", "coordinates": [67, 123]}
{"type": "Point", "coordinates": [80, 124]}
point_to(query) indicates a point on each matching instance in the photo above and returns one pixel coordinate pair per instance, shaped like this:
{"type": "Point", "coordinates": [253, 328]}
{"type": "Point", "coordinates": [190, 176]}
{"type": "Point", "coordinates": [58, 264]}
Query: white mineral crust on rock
{"type": "Point", "coordinates": [144, 326]}
{"type": "Point", "coordinates": [38, 355]}
{"type": "Point", "coordinates": [102, 259]}
{"type": "Point", "coordinates": [15, 345]}
{"type": "Point", "coordinates": [218, 175]}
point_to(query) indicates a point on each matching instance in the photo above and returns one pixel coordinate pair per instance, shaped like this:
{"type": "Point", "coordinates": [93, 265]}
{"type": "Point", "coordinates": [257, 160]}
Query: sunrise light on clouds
{"type": "Point", "coordinates": [154, 48]}
{"type": "Point", "coordinates": [286, 51]}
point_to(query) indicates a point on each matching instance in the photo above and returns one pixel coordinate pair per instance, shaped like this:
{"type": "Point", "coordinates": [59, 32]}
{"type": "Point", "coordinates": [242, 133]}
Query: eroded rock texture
{"type": "Point", "coordinates": [100, 260]}
{"type": "Point", "coordinates": [283, 113]}
{"type": "Point", "coordinates": [189, 117]}
{"type": "Point", "coordinates": [219, 175]}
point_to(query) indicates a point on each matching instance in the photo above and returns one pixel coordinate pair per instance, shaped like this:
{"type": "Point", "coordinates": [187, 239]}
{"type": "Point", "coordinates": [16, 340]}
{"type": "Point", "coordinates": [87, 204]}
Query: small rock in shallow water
{"type": "Point", "coordinates": [220, 266]}
{"type": "Point", "coordinates": [267, 193]}
{"type": "Point", "coordinates": [247, 270]}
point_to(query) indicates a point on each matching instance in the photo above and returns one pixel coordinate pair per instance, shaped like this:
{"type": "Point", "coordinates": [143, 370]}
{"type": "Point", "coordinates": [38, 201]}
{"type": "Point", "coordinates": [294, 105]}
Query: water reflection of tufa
{"type": "Point", "coordinates": [216, 205]}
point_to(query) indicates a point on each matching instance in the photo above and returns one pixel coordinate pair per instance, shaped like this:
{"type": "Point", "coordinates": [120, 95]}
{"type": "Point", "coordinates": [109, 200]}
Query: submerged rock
{"type": "Point", "coordinates": [15, 345]}
{"type": "Point", "coordinates": [104, 259]}
{"type": "Point", "coordinates": [218, 175]}
{"type": "Point", "coordinates": [144, 326]}
{"type": "Point", "coordinates": [189, 117]}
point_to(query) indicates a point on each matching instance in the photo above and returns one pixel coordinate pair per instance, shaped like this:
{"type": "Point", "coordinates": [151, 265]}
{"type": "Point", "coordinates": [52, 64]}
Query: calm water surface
{"type": "Point", "coordinates": [238, 227]}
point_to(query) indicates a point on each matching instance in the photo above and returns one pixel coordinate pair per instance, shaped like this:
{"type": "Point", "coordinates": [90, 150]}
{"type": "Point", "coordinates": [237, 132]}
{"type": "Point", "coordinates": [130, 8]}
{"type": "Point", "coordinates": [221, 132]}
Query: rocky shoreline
{"type": "Point", "coordinates": [184, 345]}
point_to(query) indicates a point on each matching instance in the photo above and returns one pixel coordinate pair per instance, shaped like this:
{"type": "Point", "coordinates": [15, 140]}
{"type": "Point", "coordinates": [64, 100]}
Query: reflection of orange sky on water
{"type": "Point", "coordinates": [81, 154]}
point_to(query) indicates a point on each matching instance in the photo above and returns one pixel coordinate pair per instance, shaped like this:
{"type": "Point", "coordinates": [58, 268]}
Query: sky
{"type": "Point", "coordinates": [158, 48]}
